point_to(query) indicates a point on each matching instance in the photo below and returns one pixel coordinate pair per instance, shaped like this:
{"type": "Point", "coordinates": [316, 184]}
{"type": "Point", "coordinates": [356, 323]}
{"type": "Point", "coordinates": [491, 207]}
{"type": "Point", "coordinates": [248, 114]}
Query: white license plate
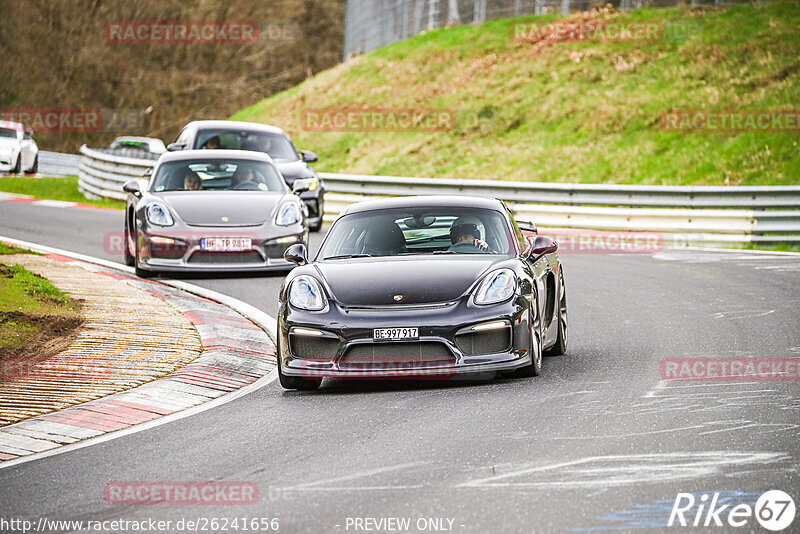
{"type": "Point", "coordinates": [395, 333]}
{"type": "Point", "coordinates": [226, 244]}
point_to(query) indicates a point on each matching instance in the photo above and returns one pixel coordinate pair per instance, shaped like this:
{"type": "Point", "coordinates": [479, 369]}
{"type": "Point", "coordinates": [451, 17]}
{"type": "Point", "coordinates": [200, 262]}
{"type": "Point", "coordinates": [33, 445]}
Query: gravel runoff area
{"type": "Point", "coordinates": [128, 337]}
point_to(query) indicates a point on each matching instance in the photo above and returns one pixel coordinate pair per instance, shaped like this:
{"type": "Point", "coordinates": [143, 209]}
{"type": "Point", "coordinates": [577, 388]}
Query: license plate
{"type": "Point", "coordinates": [226, 244]}
{"type": "Point", "coordinates": [395, 333]}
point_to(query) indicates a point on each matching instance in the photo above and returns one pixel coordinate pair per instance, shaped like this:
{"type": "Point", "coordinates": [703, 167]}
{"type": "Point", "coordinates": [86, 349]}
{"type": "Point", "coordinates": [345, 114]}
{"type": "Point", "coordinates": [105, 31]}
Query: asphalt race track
{"type": "Point", "coordinates": [597, 442]}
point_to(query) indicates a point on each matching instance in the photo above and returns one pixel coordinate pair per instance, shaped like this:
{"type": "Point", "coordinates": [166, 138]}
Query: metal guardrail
{"type": "Point", "coordinates": [102, 172]}
{"type": "Point", "coordinates": [681, 214]}
{"type": "Point", "coordinates": [755, 197]}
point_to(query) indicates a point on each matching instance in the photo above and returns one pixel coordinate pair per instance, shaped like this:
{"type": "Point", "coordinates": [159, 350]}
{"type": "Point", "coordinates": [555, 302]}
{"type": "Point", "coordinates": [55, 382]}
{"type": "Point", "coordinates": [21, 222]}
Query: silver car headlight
{"type": "Point", "coordinates": [158, 214]}
{"type": "Point", "coordinates": [289, 213]}
{"type": "Point", "coordinates": [305, 293]}
{"type": "Point", "coordinates": [496, 287]}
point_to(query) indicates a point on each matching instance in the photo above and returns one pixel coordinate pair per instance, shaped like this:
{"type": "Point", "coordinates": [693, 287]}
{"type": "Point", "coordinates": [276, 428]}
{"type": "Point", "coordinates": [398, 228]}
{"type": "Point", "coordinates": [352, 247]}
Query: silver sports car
{"type": "Point", "coordinates": [212, 210]}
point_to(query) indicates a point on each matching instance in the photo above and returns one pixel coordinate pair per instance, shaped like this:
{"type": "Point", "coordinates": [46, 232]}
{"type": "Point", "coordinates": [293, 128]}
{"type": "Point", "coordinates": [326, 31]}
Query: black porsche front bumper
{"type": "Point", "coordinates": [455, 339]}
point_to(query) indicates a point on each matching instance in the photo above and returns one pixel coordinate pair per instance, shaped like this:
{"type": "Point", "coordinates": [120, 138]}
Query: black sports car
{"type": "Point", "coordinates": [435, 287]}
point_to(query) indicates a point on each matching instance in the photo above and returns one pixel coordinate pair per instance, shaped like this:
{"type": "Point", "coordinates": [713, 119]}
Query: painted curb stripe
{"type": "Point", "coordinates": [237, 356]}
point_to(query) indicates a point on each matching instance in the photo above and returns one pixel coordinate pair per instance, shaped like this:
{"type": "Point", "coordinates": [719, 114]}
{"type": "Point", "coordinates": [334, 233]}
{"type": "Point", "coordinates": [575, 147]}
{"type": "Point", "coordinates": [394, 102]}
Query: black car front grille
{"type": "Point", "coordinates": [397, 354]}
{"type": "Point", "coordinates": [226, 257]}
{"type": "Point", "coordinates": [313, 348]}
{"type": "Point", "coordinates": [313, 209]}
{"type": "Point", "coordinates": [486, 342]}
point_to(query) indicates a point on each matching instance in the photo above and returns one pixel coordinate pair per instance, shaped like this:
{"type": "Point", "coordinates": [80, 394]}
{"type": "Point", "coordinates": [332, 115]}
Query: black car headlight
{"type": "Point", "coordinates": [305, 293]}
{"type": "Point", "coordinates": [497, 286]}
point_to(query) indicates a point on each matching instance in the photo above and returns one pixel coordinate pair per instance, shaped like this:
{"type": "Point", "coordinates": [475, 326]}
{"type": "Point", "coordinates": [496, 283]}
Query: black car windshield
{"type": "Point", "coordinates": [430, 230]}
{"type": "Point", "coordinates": [218, 175]}
{"type": "Point", "coordinates": [277, 146]}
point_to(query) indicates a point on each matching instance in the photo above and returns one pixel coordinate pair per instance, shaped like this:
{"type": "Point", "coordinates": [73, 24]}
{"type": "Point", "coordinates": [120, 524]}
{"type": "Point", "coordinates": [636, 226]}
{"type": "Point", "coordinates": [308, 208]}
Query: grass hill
{"type": "Point", "coordinates": [581, 111]}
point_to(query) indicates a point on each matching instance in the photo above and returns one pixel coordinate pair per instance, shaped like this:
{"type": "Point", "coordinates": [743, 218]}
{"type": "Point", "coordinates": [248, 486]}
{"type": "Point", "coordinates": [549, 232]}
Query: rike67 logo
{"type": "Point", "coordinates": [774, 510]}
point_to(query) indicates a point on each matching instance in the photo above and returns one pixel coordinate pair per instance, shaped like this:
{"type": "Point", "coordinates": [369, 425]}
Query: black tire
{"type": "Point", "coordinates": [560, 346]}
{"type": "Point", "coordinates": [18, 167]}
{"type": "Point", "coordinates": [35, 167]}
{"type": "Point", "coordinates": [141, 273]}
{"type": "Point", "coordinates": [295, 382]}
{"type": "Point", "coordinates": [130, 259]}
{"type": "Point", "coordinates": [535, 367]}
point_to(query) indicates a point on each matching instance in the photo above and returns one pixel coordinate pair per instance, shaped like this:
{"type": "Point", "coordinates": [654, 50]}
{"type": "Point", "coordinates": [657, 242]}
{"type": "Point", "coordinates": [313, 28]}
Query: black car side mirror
{"type": "Point", "coordinates": [308, 156]}
{"type": "Point", "coordinates": [133, 187]}
{"type": "Point", "coordinates": [174, 147]}
{"type": "Point", "coordinates": [301, 186]}
{"type": "Point", "coordinates": [540, 245]}
{"type": "Point", "coordinates": [296, 254]}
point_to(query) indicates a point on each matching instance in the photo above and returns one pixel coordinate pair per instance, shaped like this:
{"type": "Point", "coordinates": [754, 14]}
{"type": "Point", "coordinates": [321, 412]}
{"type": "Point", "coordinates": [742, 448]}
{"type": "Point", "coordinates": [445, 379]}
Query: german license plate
{"type": "Point", "coordinates": [395, 333]}
{"type": "Point", "coordinates": [226, 244]}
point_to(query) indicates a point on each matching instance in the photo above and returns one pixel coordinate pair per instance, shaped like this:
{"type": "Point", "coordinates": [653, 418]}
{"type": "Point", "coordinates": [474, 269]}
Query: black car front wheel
{"type": "Point", "coordinates": [535, 367]}
{"type": "Point", "coordinates": [560, 346]}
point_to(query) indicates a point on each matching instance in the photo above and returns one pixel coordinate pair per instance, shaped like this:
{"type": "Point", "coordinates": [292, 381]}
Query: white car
{"type": "Point", "coordinates": [18, 150]}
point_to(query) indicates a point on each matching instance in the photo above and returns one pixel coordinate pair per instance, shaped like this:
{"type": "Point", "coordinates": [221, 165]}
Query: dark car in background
{"type": "Point", "coordinates": [421, 286]}
{"type": "Point", "coordinates": [271, 140]}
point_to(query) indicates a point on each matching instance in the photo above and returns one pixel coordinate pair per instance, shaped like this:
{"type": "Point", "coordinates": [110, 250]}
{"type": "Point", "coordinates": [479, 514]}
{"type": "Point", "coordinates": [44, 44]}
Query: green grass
{"type": "Point", "coordinates": [10, 249]}
{"type": "Point", "coordinates": [567, 112]}
{"type": "Point", "coordinates": [28, 304]}
{"type": "Point", "coordinates": [65, 189]}
{"type": "Point", "coordinates": [780, 247]}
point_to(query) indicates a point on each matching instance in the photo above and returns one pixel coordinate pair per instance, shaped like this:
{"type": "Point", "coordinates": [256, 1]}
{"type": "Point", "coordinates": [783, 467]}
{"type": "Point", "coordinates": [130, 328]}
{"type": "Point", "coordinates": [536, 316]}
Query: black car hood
{"type": "Point", "coordinates": [212, 208]}
{"type": "Point", "coordinates": [293, 170]}
{"type": "Point", "coordinates": [420, 280]}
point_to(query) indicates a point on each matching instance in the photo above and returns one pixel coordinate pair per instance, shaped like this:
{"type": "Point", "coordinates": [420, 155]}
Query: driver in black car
{"type": "Point", "coordinates": [466, 238]}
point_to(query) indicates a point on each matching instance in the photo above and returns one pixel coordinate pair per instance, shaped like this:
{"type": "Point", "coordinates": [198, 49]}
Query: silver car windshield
{"type": "Point", "coordinates": [276, 146]}
{"type": "Point", "coordinates": [445, 230]}
{"type": "Point", "coordinates": [218, 175]}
